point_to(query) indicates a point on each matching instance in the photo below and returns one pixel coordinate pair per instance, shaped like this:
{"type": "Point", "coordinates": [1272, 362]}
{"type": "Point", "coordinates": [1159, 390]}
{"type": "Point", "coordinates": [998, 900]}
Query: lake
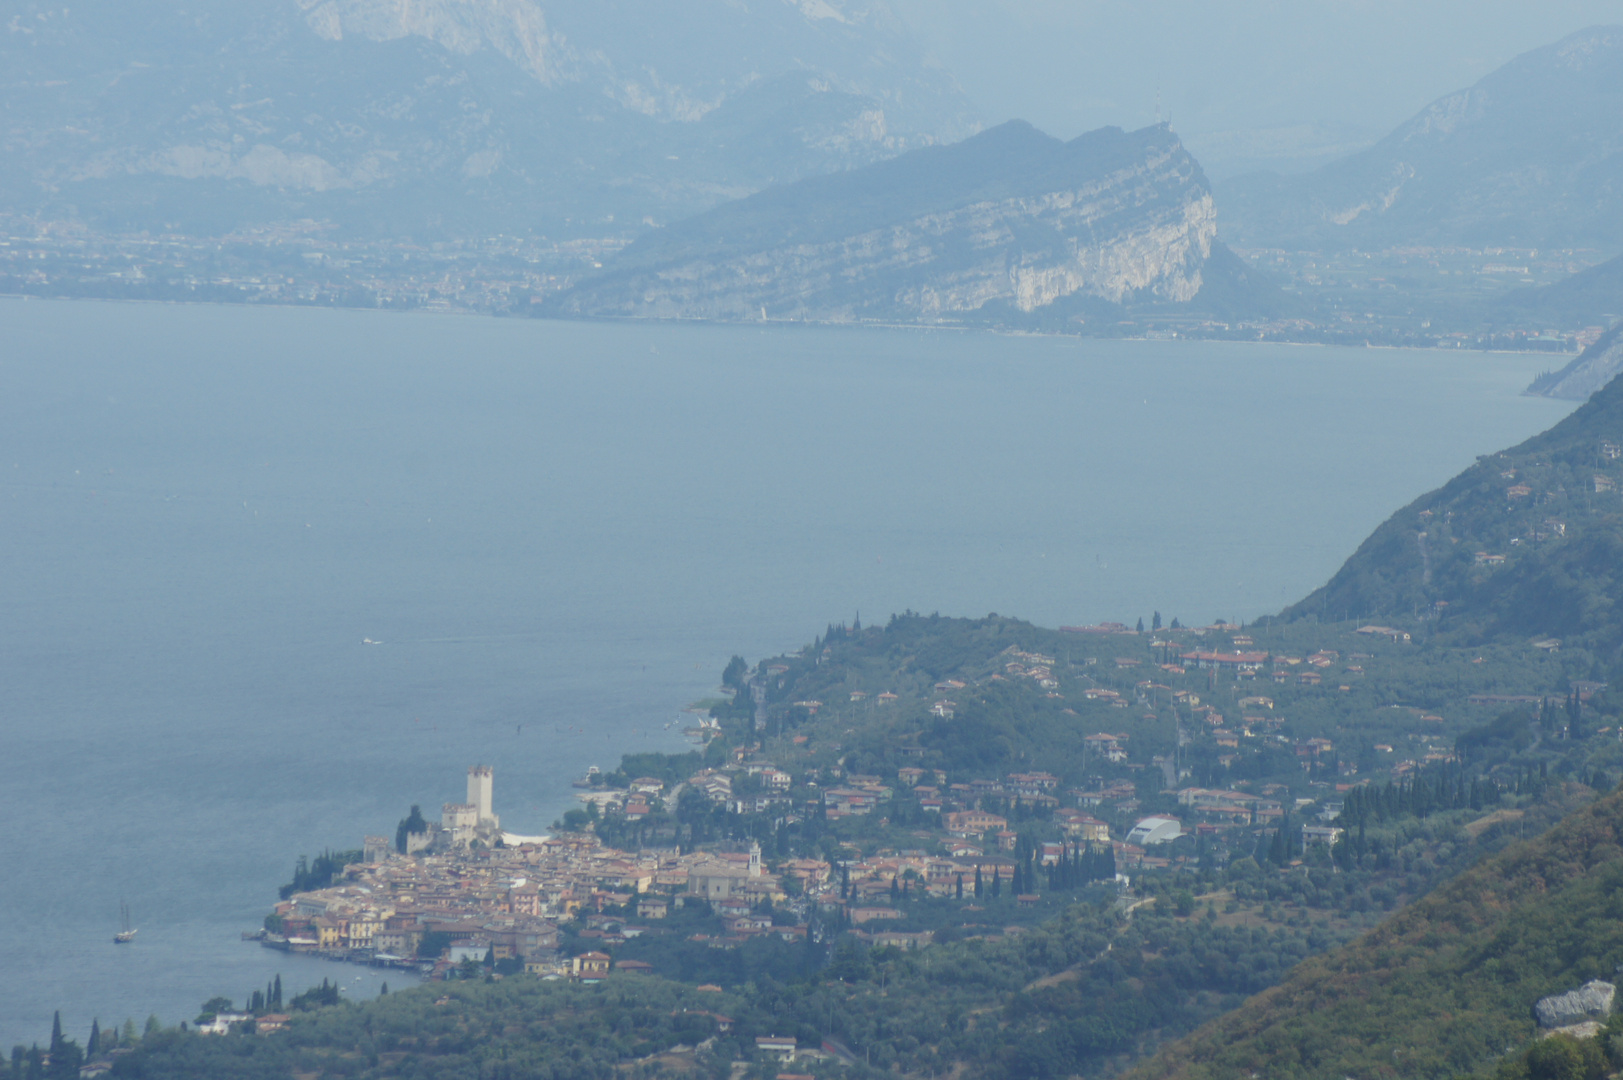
{"type": "Point", "coordinates": [554, 535]}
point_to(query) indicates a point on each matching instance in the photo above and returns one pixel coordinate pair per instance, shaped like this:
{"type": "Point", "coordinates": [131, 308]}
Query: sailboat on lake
{"type": "Point", "coordinates": [127, 934]}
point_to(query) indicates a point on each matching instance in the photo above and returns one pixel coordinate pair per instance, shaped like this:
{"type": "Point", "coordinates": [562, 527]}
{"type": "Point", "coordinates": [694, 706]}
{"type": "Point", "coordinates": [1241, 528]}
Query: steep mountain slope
{"type": "Point", "coordinates": [1525, 543]}
{"type": "Point", "coordinates": [1444, 987]}
{"type": "Point", "coordinates": [1589, 371]}
{"type": "Point", "coordinates": [1005, 224]}
{"type": "Point", "coordinates": [1531, 156]}
{"type": "Point", "coordinates": [447, 115]}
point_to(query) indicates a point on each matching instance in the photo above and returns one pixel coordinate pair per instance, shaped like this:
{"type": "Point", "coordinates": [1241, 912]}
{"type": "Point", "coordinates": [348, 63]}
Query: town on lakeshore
{"type": "Point", "coordinates": [490, 894]}
{"type": "Point", "coordinates": [836, 795]}
{"type": "Point", "coordinates": [1106, 837]}
{"type": "Point", "coordinates": [301, 263]}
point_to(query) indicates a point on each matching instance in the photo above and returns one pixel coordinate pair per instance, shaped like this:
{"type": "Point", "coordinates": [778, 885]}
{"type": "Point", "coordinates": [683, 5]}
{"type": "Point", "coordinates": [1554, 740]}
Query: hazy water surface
{"type": "Point", "coordinates": [559, 533]}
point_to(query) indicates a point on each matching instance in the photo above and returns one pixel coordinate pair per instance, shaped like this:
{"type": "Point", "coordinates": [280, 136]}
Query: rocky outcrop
{"type": "Point", "coordinates": [515, 28]}
{"type": "Point", "coordinates": [1009, 221]}
{"type": "Point", "coordinates": [1591, 1001]}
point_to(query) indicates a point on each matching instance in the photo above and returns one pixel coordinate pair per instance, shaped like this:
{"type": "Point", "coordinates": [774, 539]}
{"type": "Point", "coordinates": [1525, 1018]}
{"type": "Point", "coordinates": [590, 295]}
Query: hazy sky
{"type": "Point", "coordinates": [1243, 80]}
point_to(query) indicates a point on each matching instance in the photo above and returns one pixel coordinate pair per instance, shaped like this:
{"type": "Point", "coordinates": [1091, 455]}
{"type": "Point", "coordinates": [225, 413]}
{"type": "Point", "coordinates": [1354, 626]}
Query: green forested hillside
{"type": "Point", "coordinates": [1446, 986]}
{"type": "Point", "coordinates": [1527, 542]}
{"type": "Point", "coordinates": [1075, 996]}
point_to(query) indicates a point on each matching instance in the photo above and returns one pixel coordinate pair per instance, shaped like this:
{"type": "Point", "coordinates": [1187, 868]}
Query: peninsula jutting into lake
{"type": "Point", "coordinates": [484, 456]}
{"type": "Point", "coordinates": [1156, 819]}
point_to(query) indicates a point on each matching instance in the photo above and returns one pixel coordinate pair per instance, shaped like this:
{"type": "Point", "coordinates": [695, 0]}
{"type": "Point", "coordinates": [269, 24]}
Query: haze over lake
{"type": "Point", "coordinates": [554, 535]}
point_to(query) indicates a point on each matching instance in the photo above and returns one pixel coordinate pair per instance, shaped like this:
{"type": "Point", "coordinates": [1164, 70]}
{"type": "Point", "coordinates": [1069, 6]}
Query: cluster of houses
{"type": "Point", "coordinates": [471, 891]}
{"type": "Point", "coordinates": [502, 901]}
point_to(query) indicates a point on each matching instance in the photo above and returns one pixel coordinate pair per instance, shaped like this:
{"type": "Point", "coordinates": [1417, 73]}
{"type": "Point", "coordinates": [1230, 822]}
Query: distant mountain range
{"type": "Point", "coordinates": [447, 117]}
{"type": "Point", "coordinates": [1531, 156]}
{"type": "Point", "coordinates": [1009, 227]}
{"type": "Point", "coordinates": [815, 162]}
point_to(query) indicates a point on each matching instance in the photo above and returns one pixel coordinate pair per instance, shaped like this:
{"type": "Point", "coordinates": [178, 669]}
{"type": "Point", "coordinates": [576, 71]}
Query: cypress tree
{"type": "Point", "coordinates": [978, 886]}
{"type": "Point", "coordinates": [958, 893]}
{"type": "Point", "coordinates": [997, 882]}
{"type": "Point", "coordinates": [95, 1036]}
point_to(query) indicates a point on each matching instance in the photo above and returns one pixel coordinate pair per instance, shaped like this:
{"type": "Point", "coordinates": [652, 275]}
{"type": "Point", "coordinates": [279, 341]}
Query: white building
{"type": "Point", "coordinates": [1155, 830]}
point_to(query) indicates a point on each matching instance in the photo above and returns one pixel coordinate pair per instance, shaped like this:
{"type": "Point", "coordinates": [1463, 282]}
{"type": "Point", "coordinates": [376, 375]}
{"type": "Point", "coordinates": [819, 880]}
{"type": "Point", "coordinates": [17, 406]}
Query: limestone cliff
{"type": "Point", "coordinates": [1010, 220]}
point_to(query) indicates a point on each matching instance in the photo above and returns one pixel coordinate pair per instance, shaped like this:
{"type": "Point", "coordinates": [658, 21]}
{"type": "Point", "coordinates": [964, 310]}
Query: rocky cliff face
{"type": "Point", "coordinates": [1589, 371]}
{"type": "Point", "coordinates": [1008, 221]}
{"type": "Point", "coordinates": [429, 117]}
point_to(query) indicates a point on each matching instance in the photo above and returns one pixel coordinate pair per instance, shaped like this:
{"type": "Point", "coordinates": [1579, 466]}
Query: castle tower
{"type": "Point", "coordinates": [480, 781]}
{"type": "Point", "coordinates": [755, 860]}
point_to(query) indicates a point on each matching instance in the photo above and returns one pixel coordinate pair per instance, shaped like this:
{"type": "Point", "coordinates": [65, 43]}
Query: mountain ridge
{"type": "Point", "coordinates": [1527, 542]}
{"type": "Point", "coordinates": [1000, 227]}
{"type": "Point", "coordinates": [449, 117]}
{"type": "Point", "coordinates": [1590, 370]}
{"type": "Point", "coordinates": [1529, 156]}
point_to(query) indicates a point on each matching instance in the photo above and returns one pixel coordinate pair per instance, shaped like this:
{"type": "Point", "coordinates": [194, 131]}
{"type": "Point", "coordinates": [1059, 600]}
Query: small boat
{"type": "Point", "coordinates": [126, 935]}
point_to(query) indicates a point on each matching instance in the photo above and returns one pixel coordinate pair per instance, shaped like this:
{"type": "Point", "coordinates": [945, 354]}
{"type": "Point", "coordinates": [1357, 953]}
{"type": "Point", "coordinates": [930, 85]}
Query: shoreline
{"type": "Point", "coordinates": [1226, 337]}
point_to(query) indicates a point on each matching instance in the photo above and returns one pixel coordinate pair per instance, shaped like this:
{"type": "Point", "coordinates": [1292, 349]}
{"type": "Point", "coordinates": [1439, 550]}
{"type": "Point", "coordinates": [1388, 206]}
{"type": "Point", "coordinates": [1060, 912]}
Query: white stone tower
{"type": "Point", "coordinates": [480, 781]}
{"type": "Point", "coordinates": [755, 860]}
